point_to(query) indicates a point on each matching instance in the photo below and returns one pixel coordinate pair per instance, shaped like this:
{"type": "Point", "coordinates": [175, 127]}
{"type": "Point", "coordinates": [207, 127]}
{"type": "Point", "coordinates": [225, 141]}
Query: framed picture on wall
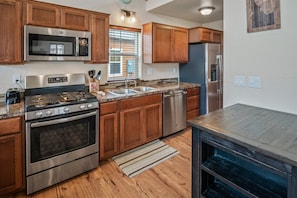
{"type": "Point", "coordinates": [263, 15]}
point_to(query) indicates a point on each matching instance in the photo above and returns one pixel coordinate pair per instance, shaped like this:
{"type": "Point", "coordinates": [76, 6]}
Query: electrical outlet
{"type": "Point", "coordinates": [16, 78]}
{"type": "Point", "coordinates": [254, 82]}
{"type": "Point", "coordinates": [149, 71]}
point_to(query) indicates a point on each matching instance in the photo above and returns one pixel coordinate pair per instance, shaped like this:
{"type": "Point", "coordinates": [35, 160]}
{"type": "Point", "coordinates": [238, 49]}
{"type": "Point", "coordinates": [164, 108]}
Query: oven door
{"type": "Point", "coordinates": [52, 142]}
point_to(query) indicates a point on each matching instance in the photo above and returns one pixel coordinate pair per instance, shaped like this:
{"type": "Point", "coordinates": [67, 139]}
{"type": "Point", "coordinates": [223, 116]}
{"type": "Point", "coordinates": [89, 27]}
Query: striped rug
{"type": "Point", "coordinates": [144, 157]}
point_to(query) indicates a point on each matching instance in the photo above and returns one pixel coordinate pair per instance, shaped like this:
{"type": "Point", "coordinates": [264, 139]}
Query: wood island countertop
{"type": "Point", "coordinates": [269, 132]}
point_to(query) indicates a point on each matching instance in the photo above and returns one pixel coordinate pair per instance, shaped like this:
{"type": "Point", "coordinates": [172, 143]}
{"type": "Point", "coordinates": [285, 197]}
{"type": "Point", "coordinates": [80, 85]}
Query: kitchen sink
{"type": "Point", "coordinates": [144, 88]}
{"type": "Point", "coordinates": [130, 91]}
{"type": "Point", "coordinates": [119, 92]}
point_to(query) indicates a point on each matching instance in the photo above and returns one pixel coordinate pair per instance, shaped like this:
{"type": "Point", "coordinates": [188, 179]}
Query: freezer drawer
{"type": "Point", "coordinates": [174, 112]}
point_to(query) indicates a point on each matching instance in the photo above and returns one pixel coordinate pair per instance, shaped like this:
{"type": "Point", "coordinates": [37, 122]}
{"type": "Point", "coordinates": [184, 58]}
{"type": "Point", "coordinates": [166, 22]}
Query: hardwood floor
{"type": "Point", "coordinates": [171, 178]}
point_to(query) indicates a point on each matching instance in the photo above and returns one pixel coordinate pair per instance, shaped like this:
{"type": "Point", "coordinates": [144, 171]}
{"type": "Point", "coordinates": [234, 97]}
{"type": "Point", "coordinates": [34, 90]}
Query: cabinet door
{"type": "Point", "coordinates": [217, 36]}
{"type": "Point", "coordinates": [162, 45]}
{"type": "Point", "coordinates": [205, 35]}
{"type": "Point", "coordinates": [43, 14]}
{"type": "Point", "coordinates": [100, 33]}
{"type": "Point", "coordinates": [180, 45]}
{"type": "Point", "coordinates": [11, 163]}
{"type": "Point", "coordinates": [74, 19]}
{"type": "Point", "coordinates": [131, 128]}
{"type": "Point", "coordinates": [109, 140]}
{"type": "Point", "coordinates": [10, 32]}
{"type": "Point", "coordinates": [153, 122]}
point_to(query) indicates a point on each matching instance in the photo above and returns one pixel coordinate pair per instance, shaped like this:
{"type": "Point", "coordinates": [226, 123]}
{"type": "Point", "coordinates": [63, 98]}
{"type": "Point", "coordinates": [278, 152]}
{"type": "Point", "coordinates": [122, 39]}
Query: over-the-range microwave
{"type": "Point", "coordinates": [53, 44]}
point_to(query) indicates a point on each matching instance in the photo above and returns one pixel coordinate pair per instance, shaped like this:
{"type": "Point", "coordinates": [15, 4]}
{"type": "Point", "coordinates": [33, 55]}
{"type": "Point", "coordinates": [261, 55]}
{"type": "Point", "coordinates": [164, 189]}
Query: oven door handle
{"type": "Point", "coordinates": [62, 120]}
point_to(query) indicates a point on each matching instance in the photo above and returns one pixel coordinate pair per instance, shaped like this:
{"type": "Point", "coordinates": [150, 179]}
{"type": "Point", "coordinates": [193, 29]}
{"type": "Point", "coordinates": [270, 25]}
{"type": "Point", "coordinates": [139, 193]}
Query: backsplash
{"type": "Point", "coordinates": [149, 71]}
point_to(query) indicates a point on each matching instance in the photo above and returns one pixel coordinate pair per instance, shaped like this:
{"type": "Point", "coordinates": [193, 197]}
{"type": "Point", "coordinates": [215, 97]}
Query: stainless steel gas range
{"type": "Point", "coordinates": [61, 129]}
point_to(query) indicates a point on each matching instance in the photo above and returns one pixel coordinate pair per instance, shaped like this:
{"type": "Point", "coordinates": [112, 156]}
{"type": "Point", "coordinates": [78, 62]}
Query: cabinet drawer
{"type": "Point", "coordinates": [192, 114]}
{"type": "Point", "coordinates": [192, 103]}
{"type": "Point", "coordinates": [140, 101]}
{"type": "Point", "coordinates": [10, 125]}
{"type": "Point", "coordinates": [109, 107]}
{"type": "Point", "coordinates": [193, 91]}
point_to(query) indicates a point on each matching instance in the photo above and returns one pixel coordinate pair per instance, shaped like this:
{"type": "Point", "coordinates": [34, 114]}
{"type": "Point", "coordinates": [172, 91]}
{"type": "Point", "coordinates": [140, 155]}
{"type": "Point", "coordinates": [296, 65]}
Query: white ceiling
{"type": "Point", "coordinates": [187, 9]}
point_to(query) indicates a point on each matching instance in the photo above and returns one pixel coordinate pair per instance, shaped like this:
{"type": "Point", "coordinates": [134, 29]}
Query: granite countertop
{"type": "Point", "coordinates": [14, 110]}
{"type": "Point", "coordinates": [158, 89]}
{"type": "Point", "coordinates": [269, 132]}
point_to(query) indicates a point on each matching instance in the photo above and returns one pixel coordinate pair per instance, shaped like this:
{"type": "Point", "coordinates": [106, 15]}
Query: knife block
{"type": "Point", "coordinates": [93, 85]}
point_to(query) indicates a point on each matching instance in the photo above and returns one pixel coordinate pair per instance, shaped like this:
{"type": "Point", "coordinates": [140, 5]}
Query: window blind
{"type": "Point", "coordinates": [124, 53]}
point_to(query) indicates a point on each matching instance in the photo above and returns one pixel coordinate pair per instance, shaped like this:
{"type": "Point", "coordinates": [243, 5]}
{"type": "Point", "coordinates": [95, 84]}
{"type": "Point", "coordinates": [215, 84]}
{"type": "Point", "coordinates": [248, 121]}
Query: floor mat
{"type": "Point", "coordinates": [144, 157]}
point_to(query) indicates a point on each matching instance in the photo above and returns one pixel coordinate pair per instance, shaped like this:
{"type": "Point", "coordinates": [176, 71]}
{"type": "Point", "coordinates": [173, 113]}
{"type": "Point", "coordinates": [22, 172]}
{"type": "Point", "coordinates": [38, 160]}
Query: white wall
{"type": "Point", "coordinates": [111, 7]}
{"type": "Point", "coordinates": [270, 55]}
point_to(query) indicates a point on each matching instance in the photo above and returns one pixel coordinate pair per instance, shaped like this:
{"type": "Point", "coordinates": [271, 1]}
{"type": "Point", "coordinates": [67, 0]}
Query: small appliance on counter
{"type": "Point", "coordinates": [13, 96]}
{"type": "Point", "coordinates": [94, 81]}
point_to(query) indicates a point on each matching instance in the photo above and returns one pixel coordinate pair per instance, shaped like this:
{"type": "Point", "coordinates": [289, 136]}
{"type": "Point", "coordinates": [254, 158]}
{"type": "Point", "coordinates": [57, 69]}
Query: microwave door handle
{"type": "Point", "coordinates": [77, 46]}
{"type": "Point", "coordinates": [62, 120]}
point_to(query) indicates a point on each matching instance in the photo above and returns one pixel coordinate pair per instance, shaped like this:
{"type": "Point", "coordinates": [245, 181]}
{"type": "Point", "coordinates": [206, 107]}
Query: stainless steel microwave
{"type": "Point", "coordinates": [53, 44]}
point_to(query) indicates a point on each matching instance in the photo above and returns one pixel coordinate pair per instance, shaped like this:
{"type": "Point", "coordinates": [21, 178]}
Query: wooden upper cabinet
{"type": "Point", "coordinates": [205, 35]}
{"type": "Point", "coordinates": [11, 32]}
{"type": "Point", "coordinates": [74, 19]}
{"type": "Point", "coordinates": [180, 44]}
{"type": "Point", "coordinates": [51, 15]}
{"type": "Point", "coordinates": [164, 43]}
{"type": "Point", "coordinates": [99, 27]}
{"type": "Point", "coordinates": [42, 14]}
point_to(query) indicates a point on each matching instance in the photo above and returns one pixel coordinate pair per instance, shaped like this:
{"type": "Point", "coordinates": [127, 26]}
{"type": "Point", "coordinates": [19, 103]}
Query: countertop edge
{"type": "Point", "coordinates": [265, 149]}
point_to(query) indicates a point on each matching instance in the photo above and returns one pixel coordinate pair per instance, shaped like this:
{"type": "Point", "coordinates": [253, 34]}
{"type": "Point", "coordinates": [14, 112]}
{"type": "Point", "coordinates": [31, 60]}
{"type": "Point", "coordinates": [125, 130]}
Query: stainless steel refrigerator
{"type": "Point", "coordinates": [205, 67]}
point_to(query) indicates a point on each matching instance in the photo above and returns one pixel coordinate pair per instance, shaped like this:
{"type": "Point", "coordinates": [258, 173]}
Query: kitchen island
{"type": "Point", "coordinates": [244, 151]}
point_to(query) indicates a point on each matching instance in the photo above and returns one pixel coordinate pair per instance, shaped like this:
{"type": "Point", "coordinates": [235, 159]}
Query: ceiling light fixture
{"type": "Point", "coordinates": [206, 10]}
{"type": "Point", "coordinates": [128, 14]}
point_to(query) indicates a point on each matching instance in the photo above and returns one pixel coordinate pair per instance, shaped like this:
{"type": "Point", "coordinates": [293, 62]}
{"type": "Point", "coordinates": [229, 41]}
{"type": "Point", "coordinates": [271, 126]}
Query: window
{"type": "Point", "coordinates": [124, 53]}
{"type": "Point", "coordinates": [115, 66]}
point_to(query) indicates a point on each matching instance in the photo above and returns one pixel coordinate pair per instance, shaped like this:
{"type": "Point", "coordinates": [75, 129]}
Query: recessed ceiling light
{"type": "Point", "coordinates": [206, 10]}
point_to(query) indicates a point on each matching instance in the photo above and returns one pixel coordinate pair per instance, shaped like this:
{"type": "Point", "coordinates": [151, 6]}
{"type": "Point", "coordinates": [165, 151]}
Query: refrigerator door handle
{"type": "Point", "coordinates": [219, 69]}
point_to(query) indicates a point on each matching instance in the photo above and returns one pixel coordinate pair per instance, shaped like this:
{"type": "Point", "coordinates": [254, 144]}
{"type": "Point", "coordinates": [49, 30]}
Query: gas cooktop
{"type": "Point", "coordinates": [43, 101]}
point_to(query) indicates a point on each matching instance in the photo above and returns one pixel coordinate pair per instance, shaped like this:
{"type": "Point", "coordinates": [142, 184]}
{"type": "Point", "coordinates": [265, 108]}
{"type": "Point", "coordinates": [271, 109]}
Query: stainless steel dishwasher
{"type": "Point", "coordinates": [174, 111]}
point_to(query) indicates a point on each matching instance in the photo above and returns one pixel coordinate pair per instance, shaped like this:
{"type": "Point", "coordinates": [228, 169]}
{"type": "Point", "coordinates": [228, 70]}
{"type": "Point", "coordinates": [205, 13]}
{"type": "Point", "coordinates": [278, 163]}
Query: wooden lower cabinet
{"type": "Point", "coordinates": [140, 121]}
{"type": "Point", "coordinates": [131, 129]}
{"type": "Point", "coordinates": [193, 100]}
{"type": "Point", "coordinates": [11, 155]}
{"type": "Point", "coordinates": [129, 123]}
{"type": "Point", "coordinates": [109, 130]}
{"type": "Point", "coordinates": [153, 122]}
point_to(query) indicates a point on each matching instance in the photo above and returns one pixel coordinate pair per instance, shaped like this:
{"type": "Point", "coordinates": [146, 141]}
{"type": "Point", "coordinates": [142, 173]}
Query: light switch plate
{"type": "Point", "coordinates": [239, 81]}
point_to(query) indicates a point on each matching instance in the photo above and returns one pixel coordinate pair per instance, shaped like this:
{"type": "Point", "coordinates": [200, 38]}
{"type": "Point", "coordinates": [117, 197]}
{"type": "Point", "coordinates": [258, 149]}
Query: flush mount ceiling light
{"type": "Point", "coordinates": [206, 10]}
{"type": "Point", "coordinates": [128, 14]}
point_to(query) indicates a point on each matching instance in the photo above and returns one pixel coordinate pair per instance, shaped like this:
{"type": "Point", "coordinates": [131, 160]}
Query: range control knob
{"type": "Point", "coordinates": [66, 109]}
{"type": "Point", "coordinates": [48, 113]}
{"type": "Point", "coordinates": [90, 105]}
{"type": "Point", "coordinates": [82, 107]}
{"type": "Point", "coordinates": [38, 114]}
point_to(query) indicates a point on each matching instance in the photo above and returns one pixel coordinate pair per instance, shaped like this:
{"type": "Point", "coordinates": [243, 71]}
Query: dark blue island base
{"type": "Point", "coordinates": [244, 151]}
